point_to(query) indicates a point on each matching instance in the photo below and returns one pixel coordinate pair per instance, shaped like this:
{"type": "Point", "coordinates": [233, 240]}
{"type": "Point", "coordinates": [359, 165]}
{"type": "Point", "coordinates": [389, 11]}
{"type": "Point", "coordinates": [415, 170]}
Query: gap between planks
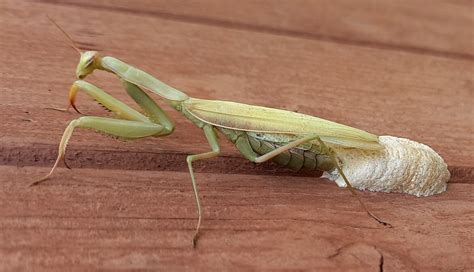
{"type": "Point", "coordinates": [45, 156]}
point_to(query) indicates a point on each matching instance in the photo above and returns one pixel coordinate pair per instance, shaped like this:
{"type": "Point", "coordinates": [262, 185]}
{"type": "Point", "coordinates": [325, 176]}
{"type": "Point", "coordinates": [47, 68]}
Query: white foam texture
{"type": "Point", "coordinates": [403, 166]}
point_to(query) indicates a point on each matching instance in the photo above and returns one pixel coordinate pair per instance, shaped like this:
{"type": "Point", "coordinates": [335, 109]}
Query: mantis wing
{"type": "Point", "coordinates": [245, 117]}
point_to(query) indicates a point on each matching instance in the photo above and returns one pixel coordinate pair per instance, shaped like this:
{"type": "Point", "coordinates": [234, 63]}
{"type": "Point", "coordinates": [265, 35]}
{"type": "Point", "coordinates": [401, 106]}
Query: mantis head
{"type": "Point", "coordinates": [90, 60]}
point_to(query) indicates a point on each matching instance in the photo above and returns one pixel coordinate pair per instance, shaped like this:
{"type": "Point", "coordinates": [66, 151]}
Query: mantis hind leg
{"type": "Point", "coordinates": [245, 148]}
{"type": "Point", "coordinates": [330, 152]}
{"type": "Point", "coordinates": [212, 140]}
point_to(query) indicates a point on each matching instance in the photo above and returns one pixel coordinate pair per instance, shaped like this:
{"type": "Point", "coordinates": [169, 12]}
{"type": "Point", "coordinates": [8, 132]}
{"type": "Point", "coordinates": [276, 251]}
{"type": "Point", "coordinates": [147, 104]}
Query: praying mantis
{"type": "Point", "coordinates": [291, 139]}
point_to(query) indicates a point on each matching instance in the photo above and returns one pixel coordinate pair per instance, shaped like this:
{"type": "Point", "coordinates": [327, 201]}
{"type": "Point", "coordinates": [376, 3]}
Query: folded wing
{"type": "Point", "coordinates": [245, 117]}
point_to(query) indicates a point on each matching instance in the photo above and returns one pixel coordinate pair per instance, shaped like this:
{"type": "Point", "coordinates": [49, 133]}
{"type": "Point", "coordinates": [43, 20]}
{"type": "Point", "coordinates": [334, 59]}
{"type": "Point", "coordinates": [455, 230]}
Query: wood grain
{"type": "Point", "coordinates": [110, 213]}
{"type": "Point", "coordinates": [390, 25]}
{"type": "Point", "coordinates": [112, 219]}
{"type": "Point", "coordinates": [393, 93]}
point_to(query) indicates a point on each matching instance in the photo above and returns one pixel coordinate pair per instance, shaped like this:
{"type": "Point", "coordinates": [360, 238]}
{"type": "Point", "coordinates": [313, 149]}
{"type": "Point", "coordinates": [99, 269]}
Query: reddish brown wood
{"type": "Point", "coordinates": [437, 27]}
{"type": "Point", "coordinates": [114, 214]}
{"type": "Point", "coordinates": [111, 219]}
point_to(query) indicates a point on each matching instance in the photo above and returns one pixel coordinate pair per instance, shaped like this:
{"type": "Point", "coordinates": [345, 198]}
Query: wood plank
{"type": "Point", "coordinates": [112, 219]}
{"type": "Point", "coordinates": [115, 218]}
{"type": "Point", "coordinates": [421, 97]}
{"type": "Point", "coordinates": [436, 27]}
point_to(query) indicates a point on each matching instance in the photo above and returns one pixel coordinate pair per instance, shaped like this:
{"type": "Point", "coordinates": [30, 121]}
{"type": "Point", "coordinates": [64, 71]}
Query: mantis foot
{"type": "Point", "coordinates": [61, 157]}
{"type": "Point", "coordinates": [379, 220]}
{"type": "Point", "coordinates": [39, 181]}
{"type": "Point", "coordinates": [195, 239]}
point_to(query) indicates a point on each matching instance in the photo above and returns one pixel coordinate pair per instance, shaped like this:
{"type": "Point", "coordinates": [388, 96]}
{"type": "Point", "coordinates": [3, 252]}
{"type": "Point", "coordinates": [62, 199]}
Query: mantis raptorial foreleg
{"type": "Point", "coordinates": [135, 125]}
{"type": "Point", "coordinates": [212, 140]}
{"type": "Point", "coordinates": [121, 110]}
{"type": "Point", "coordinates": [115, 127]}
{"type": "Point", "coordinates": [154, 112]}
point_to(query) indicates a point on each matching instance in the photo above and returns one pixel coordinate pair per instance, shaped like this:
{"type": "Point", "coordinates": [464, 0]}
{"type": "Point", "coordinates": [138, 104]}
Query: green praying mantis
{"type": "Point", "coordinates": [291, 139]}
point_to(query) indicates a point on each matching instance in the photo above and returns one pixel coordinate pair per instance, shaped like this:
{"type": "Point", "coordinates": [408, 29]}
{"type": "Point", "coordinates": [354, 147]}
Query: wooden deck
{"type": "Point", "coordinates": [392, 68]}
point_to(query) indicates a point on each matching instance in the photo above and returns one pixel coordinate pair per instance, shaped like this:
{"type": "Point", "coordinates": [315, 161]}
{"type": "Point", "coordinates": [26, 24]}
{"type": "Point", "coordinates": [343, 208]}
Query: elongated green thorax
{"type": "Point", "coordinates": [142, 79]}
{"type": "Point", "coordinates": [91, 60]}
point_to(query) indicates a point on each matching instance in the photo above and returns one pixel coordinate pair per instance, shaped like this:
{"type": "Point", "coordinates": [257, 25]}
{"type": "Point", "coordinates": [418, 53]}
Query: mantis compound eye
{"type": "Point", "coordinates": [88, 58]}
{"type": "Point", "coordinates": [89, 62]}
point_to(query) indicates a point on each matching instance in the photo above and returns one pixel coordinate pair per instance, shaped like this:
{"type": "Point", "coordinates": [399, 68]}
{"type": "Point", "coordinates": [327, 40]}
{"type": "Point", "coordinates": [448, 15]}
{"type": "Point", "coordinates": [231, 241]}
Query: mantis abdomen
{"type": "Point", "coordinates": [307, 157]}
{"type": "Point", "coordinates": [295, 158]}
{"type": "Point", "coordinates": [401, 166]}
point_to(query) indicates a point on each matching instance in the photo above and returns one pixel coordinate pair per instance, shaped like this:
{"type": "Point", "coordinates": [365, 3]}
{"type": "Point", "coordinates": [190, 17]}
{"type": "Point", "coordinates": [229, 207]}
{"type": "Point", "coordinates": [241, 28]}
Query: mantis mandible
{"type": "Point", "coordinates": [291, 139]}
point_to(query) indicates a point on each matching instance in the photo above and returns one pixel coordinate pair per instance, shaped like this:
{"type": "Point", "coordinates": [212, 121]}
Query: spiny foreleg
{"type": "Point", "coordinates": [131, 125]}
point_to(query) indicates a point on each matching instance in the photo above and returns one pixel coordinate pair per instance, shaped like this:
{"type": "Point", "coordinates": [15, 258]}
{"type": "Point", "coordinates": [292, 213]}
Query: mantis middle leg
{"type": "Point", "coordinates": [212, 140]}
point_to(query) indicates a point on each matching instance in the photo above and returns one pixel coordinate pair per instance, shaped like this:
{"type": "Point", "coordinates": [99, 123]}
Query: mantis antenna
{"type": "Point", "coordinates": [72, 44]}
{"type": "Point", "coordinates": [75, 47]}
